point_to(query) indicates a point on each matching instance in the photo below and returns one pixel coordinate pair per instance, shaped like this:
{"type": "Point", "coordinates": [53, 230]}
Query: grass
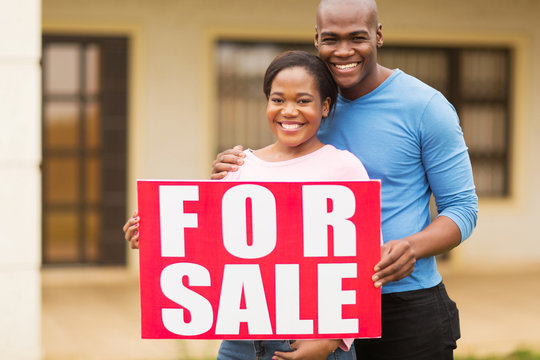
{"type": "Point", "coordinates": [515, 355]}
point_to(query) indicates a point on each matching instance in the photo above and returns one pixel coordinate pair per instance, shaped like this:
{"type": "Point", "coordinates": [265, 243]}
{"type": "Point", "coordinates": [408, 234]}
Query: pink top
{"type": "Point", "coordinates": [326, 163]}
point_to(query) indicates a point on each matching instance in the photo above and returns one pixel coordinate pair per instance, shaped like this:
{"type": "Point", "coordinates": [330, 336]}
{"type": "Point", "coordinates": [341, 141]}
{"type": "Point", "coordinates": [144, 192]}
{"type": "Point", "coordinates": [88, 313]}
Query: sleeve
{"type": "Point", "coordinates": [447, 164]}
{"type": "Point", "coordinates": [346, 344]}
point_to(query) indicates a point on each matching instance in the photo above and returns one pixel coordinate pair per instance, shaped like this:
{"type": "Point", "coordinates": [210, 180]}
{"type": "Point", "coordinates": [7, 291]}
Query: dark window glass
{"type": "Point", "coordinates": [81, 101]}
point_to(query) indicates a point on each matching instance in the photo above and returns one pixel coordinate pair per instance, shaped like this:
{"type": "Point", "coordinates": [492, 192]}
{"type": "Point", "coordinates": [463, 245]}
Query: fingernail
{"type": "Point", "coordinates": [240, 161]}
{"type": "Point", "coordinates": [374, 278]}
{"type": "Point", "coordinates": [378, 284]}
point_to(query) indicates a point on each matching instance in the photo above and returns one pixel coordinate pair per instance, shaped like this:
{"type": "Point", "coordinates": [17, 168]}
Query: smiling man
{"type": "Point", "coordinates": [408, 135]}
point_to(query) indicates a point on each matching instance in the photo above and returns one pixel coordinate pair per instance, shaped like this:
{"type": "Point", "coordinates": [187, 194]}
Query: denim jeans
{"type": "Point", "coordinates": [264, 350]}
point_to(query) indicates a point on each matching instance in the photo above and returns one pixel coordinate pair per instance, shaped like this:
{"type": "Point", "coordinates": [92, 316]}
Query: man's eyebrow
{"type": "Point", "coordinates": [354, 33]}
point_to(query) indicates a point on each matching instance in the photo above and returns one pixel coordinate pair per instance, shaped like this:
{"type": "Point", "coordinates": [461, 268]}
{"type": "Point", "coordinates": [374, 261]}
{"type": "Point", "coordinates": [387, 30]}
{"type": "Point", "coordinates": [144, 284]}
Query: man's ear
{"type": "Point", "coordinates": [316, 39]}
{"type": "Point", "coordinates": [380, 38]}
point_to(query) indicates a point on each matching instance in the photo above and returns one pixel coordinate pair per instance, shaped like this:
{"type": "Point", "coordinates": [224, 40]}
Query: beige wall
{"type": "Point", "coordinates": [171, 129]}
{"type": "Point", "coordinates": [20, 154]}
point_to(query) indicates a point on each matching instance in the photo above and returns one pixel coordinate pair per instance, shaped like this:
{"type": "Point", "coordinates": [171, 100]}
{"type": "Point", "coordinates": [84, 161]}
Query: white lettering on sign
{"type": "Point", "coordinates": [332, 297]}
{"type": "Point", "coordinates": [246, 279]}
{"type": "Point", "coordinates": [288, 301]}
{"type": "Point", "coordinates": [317, 218]}
{"type": "Point", "coordinates": [234, 224]}
{"type": "Point", "coordinates": [198, 306]}
{"type": "Point", "coordinates": [173, 220]}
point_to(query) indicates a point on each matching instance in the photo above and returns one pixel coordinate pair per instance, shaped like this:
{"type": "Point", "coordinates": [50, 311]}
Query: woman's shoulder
{"type": "Point", "coordinates": [345, 164]}
{"type": "Point", "coordinates": [345, 155]}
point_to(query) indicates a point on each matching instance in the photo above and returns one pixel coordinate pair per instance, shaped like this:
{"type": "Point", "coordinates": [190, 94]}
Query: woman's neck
{"type": "Point", "coordinates": [280, 152]}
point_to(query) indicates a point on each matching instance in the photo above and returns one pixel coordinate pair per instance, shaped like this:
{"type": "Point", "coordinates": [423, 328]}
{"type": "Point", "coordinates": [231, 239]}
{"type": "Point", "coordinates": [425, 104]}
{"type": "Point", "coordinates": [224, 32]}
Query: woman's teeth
{"type": "Point", "coordinates": [290, 126]}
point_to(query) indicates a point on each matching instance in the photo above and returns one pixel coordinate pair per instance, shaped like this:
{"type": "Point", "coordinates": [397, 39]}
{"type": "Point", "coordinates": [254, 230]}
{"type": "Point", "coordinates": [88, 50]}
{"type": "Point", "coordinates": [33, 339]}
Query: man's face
{"type": "Point", "coordinates": [347, 38]}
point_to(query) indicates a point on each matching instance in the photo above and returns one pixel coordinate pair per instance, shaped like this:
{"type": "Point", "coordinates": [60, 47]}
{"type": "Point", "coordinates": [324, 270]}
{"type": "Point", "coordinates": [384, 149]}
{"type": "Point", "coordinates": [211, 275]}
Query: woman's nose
{"type": "Point", "coordinates": [289, 109]}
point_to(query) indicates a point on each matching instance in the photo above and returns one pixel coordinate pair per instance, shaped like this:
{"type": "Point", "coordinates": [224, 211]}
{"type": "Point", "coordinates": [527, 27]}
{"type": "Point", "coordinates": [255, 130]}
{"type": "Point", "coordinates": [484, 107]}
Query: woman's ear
{"type": "Point", "coordinates": [326, 107]}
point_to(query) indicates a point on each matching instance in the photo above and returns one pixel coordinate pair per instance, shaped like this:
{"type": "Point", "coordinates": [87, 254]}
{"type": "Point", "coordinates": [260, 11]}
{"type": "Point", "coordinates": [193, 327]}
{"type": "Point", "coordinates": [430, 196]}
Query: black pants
{"type": "Point", "coordinates": [416, 325]}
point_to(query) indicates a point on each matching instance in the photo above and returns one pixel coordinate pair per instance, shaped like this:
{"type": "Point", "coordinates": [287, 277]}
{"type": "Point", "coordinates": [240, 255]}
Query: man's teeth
{"type": "Point", "coordinates": [290, 126]}
{"type": "Point", "coordinates": [346, 66]}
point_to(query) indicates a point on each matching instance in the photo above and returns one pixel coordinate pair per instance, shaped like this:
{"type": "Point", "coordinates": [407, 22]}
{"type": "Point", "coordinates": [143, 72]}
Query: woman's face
{"type": "Point", "coordinates": [294, 110]}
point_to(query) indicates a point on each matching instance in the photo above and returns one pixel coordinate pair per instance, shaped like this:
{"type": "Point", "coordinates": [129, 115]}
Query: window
{"type": "Point", "coordinates": [475, 80]}
{"type": "Point", "coordinates": [83, 145]}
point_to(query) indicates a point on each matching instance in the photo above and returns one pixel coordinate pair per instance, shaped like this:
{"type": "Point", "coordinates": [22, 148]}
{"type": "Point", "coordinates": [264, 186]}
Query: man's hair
{"type": "Point", "coordinates": [370, 5]}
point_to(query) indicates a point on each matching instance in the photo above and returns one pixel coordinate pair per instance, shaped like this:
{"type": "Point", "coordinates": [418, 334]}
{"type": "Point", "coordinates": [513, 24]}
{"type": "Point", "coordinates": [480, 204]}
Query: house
{"type": "Point", "coordinates": [154, 89]}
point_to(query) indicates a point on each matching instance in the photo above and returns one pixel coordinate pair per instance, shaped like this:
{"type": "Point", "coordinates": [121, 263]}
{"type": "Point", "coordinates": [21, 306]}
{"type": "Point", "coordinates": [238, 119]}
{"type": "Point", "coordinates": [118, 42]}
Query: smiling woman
{"type": "Point", "coordinates": [241, 103]}
{"type": "Point", "coordinates": [294, 112]}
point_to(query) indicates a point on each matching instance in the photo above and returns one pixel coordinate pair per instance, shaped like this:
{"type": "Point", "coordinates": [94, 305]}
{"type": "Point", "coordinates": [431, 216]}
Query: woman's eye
{"type": "Point", "coordinates": [304, 101]}
{"type": "Point", "coordinates": [276, 100]}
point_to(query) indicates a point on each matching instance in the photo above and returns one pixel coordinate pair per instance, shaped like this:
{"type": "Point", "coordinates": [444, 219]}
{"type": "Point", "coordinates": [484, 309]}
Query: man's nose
{"type": "Point", "coordinates": [344, 49]}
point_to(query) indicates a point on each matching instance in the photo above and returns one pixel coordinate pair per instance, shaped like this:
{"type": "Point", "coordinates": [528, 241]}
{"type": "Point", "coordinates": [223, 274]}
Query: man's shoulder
{"type": "Point", "coordinates": [413, 92]}
{"type": "Point", "coordinates": [405, 80]}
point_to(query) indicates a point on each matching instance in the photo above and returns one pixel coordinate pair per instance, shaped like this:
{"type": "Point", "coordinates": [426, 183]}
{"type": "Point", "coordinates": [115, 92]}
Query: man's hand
{"type": "Point", "coordinates": [399, 256]}
{"type": "Point", "coordinates": [397, 262]}
{"type": "Point", "coordinates": [309, 350]}
{"type": "Point", "coordinates": [229, 160]}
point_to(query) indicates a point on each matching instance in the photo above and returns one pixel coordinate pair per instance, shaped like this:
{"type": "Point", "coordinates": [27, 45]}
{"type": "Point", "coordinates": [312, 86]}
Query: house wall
{"type": "Point", "coordinates": [172, 107]}
{"type": "Point", "coordinates": [20, 154]}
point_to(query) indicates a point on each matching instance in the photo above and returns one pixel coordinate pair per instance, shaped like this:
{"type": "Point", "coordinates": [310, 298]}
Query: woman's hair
{"type": "Point", "coordinates": [312, 64]}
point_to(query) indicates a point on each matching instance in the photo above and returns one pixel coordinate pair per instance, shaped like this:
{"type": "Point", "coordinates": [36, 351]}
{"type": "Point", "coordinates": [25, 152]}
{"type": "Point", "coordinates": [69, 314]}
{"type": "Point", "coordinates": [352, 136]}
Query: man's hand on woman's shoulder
{"type": "Point", "coordinates": [226, 161]}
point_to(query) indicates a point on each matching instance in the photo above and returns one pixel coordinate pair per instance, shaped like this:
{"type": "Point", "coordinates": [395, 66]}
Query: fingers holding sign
{"type": "Point", "coordinates": [131, 230]}
{"type": "Point", "coordinates": [397, 262]}
{"type": "Point", "coordinates": [309, 350]}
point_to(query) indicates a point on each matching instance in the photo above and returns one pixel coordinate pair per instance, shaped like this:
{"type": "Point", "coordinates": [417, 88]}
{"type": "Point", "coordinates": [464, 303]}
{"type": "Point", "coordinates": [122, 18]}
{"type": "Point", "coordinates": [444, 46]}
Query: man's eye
{"type": "Point", "coordinates": [328, 41]}
{"type": "Point", "coordinates": [359, 38]}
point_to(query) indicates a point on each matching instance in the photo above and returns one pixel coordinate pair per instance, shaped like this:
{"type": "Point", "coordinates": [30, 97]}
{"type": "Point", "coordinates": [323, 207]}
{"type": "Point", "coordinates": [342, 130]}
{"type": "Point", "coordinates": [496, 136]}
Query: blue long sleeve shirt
{"type": "Point", "coordinates": [408, 135]}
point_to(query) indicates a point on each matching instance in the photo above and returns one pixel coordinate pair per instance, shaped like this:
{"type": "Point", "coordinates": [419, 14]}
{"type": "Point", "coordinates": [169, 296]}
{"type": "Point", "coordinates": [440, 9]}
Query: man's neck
{"type": "Point", "coordinates": [369, 84]}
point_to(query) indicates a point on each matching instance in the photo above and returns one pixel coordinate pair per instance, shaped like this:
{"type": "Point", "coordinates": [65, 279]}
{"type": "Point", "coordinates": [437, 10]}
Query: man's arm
{"type": "Point", "coordinates": [448, 169]}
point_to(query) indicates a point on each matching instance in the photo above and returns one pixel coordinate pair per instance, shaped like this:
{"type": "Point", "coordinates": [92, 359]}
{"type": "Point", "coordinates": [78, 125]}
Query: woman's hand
{"type": "Point", "coordinates": [229, 160]}
{"type": "Point", "coordinates": [309, 350]}
{"type": "Point", "coordinates": [131, 230]}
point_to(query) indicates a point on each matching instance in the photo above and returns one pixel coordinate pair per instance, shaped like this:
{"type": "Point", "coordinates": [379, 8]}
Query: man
{"type": "Point", "coordinates": [407, 135]}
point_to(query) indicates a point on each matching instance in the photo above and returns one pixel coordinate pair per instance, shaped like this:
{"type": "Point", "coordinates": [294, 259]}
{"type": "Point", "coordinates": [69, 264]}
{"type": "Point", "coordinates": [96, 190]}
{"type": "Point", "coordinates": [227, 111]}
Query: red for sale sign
{"type": "Point", "coordinates": [259, 260]}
